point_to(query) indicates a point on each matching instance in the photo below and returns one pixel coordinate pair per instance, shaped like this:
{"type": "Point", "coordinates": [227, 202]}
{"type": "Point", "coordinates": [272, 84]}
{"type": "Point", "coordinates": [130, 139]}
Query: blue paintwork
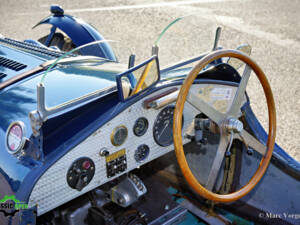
{"type": "Point", "coordinates": [57, 10]}
{"type": "Point", "coordinates": [29, 60]}
{"type": "Point", "coordinates": [50, 36]}
{"type": "Point", "coordinates": [80, 33]}
{"type": "Point", "coordinates": [65, 80]}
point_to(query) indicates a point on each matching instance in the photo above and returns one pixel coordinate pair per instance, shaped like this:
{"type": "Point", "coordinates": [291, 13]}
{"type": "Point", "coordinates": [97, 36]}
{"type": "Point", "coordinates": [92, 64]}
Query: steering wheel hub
{"type": "Point", "coordinates": [234, 125]}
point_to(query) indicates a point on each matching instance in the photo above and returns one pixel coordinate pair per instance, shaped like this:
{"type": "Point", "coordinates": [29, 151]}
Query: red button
{"type": "Point", "coordinates": [86, 164]}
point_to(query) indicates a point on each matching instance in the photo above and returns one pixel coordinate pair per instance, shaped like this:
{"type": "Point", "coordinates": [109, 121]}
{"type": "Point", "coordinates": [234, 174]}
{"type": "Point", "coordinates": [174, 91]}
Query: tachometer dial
{"type": "Point", "coordinates": [141, 153]}
{"type": "Point", "coordinates": [119, 135]}
{"type": "Point", "coordinates": [163, 127]}
{"type": "Point", "coordinates": [140, 126]}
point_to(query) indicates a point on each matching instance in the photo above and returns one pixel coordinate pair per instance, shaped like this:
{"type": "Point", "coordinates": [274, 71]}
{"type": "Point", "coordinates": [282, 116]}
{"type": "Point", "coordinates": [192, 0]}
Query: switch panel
{"type": "Point", "coordinates": [80, 173]}
{"type": "Point", "coordinates": [116, 163]}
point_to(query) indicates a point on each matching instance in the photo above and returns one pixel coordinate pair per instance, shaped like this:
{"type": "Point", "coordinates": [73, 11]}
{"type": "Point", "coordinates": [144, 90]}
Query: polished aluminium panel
{"type": "Point", "coordinates": [52, 190]}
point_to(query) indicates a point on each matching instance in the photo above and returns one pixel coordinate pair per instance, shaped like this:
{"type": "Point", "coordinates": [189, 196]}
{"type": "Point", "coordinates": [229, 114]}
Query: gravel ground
{"type": "Point", "coordinates": [269, 26]}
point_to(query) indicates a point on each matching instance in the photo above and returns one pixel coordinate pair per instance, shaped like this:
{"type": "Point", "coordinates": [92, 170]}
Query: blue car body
{"type": "Point", "coordinates": [70, 81]}
{"type": "Point", "coordinates": [80, 33]}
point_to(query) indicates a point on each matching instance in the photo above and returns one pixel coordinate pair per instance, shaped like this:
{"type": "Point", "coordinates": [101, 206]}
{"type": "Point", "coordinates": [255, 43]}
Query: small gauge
{"type": "Point", "coordinates": [15, 137]}
{"type": "Point", "coordinates": [163, 127]}
{"type": "Point", "coordinates": [140, 126]}
{"type": "Point", "coordinates": [141, 153]}
{"type": "Point", "coordinates": [119, 135]}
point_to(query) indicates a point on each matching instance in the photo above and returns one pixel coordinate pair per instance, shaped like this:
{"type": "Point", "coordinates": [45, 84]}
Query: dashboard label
{"type": "Point", "coordinates": [116, 163]}
{"type": "Point", "coordinates": [221, 94]}
{"type": "Point", "coordinates": [218, 96]}
{"type": "Point", "coordinates": [115, 155]}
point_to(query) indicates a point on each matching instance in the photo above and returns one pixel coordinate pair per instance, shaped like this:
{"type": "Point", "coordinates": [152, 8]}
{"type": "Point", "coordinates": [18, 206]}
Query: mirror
{"type": "Point", "coordinates": [138, 78]}
{"type": "Point", "coordinates": [236, 63]}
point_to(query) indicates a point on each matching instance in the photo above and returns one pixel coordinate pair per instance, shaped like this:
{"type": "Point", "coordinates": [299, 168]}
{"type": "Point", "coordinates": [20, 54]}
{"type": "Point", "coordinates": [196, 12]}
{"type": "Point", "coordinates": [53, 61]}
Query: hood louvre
{"type": "Point", "coordinates": [33, 48]}
{"type": "Point", "coordinates": [2, 75]}
{"type": "Point", "coordinates": [11, 64]}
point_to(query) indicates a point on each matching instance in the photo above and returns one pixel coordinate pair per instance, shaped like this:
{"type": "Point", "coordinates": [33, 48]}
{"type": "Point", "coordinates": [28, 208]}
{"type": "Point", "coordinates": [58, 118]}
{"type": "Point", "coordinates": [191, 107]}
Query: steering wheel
{"type": "Point", "coordinates": [228, 124]}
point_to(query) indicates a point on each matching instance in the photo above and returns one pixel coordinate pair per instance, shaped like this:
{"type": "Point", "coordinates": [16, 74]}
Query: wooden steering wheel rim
{"type": "Point", "coordinates": [177, 124]}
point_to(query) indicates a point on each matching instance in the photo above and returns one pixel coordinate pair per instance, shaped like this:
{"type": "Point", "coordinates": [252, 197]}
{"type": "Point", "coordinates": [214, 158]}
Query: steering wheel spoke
{"type": "Point", "coordinates": [217, 163]}
{"type": "Point", "coordinates": [238, 99]}
{"type": "Point", "coordinates": [205, 108]}
{"type": "Point", "coordinates": [252, 142]}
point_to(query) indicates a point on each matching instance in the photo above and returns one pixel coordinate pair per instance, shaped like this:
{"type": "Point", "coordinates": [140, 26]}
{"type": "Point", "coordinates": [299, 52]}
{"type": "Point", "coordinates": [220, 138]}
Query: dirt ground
{"type": "Point", "coordinates": [271, 27]}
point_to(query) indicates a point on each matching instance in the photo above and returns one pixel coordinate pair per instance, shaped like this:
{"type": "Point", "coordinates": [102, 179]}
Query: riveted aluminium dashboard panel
{"type": "Point", "coordinates": [52, 189]}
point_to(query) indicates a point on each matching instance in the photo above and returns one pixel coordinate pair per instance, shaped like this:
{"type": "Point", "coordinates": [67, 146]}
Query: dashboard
{"type": "Point", "coordinates": [133, 138]}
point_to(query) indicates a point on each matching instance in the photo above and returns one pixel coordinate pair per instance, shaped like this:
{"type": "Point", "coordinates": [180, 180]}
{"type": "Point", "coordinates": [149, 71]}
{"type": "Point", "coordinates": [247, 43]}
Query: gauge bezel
{"type": "Point", "coordinates": [146, 127]}
{"type": "Point", "coordinates": [90, 171]}
{"type": "Point", "coordinates": [23, 139]}
{"type": "Point", "coordinates": [144, 159]}
{"type": "Point", "coordinates": [115, 130]}
{"type": "Point", "coordinates": [154, 136]}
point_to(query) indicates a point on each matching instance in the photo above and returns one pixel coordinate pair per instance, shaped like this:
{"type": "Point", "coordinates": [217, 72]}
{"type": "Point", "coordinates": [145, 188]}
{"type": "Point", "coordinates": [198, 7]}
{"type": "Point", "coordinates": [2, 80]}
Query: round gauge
{"type": "Point", "coordinates": [119, 135]}
{"type": "Point", "coordinates": [80, 173]}
{"type": "Point", "coordinates": [140, 126]}
{"type": "Point", "coordinates": [15, 137]}
{"type": "Point", "coordinates": [141, 153]}
{"type": "Point", "coordinates": [163, 127]}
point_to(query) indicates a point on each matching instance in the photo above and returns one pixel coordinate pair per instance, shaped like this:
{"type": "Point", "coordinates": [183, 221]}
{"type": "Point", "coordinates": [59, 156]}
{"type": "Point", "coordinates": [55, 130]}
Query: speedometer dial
{"type": "Point", "coordinates": [163, 127]}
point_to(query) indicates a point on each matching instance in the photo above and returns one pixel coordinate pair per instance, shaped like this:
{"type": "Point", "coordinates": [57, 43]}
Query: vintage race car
{"type": "Point", "coordinates": [88, 140]}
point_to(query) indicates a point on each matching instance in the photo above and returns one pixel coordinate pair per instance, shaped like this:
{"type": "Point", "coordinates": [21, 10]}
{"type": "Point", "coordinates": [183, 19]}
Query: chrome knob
{"type": "Point", "coordinates": [234, 125]}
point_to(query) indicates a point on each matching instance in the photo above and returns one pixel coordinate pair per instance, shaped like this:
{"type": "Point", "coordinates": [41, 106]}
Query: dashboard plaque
{"type": "Point", "coordinates": [116, 163]}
